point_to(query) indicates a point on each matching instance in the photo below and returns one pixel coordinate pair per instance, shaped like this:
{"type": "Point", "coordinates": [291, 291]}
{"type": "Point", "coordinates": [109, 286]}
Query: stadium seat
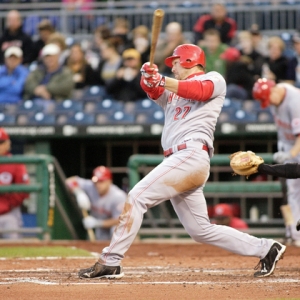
{"type": "Point", "coordinates": [29, 106]}
{"type": "Point", "coordinates": [6, 119]}
{"type": "Point", "coordinates": [121, 117]}
{"type": "Point", "coordinates": [95, 93]}
{"type": "Point", "coordinates": [241, 116]}
{"type": "Point", "coordinates": [109, 105]}
{"type": "Point", "coordinates": [145, 105]}
{"type": "Point", "coordinates": [265, 117]}
{"type": "Point", "coordinates": [81, 118]}
{"type": "Point", "coordinates": [69, 106]}
{"type": "Point", "coordinates": [231, 104]}
{"type": "Point", "coordinates": [224, 116]}
{"type": "Point", "coordinates": [151, 117]}
{"type": "Point", "coordinates": [41, 118]}
{"type": "Point", "coordinates": [251, 106]}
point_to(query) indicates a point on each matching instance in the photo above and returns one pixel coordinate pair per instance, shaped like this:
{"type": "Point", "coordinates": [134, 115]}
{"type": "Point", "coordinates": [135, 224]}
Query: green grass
{"type": "Point", "coordinates": [56, 251]}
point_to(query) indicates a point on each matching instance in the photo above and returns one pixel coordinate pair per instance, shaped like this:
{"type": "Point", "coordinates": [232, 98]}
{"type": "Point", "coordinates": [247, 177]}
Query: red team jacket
{"type": "Point", "coordinates": [12, 174]}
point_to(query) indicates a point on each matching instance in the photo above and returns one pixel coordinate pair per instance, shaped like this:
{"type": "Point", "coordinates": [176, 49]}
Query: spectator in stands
{"type": "Point", "coordinates": [14, 36]}
{"type": "Point", "coordinates": [101, 33]}
{"type": "Point", "coordinates": [121, 29]}
{"type": "Point", "coordinates": [173, 38]}
{"type": "Point", "coordinates": [45, 29]}
{"type": "Point", "coordinates": [126, 84]}
{"type": "Point", "coordinates": [111, 61]}
{"type": "Point", "coordinates": [259, 41]}
{"type": "Point", "coordinates": [51, 80]}
{"type": "Point", "coordinates": [10, 203]}
{"type": "Point", "coordinates": [60, 40]}
{"type": "Point", "coordinates": [218, 20]}
{"type": "Point", "coordinates": [223, 215]}
{"type": "Point", "coordinates": [276, 64]}
{"type": "Point", "coordinates": [213, 48]}
{"type": "Point", "coordinates": [102, 198]}
{"type": "Point", "coordinates": [246, 47]}
{"type": "Point", "coordinates": [141, 41]}
{"type": "Point", "coordinates": [238, 77]}
{"type": "Point", "coordinates": [12, 76]}
{"type": "Point", "coordinates": [293, 72]}
{"type": "Point", "coordinates": [83, 74]}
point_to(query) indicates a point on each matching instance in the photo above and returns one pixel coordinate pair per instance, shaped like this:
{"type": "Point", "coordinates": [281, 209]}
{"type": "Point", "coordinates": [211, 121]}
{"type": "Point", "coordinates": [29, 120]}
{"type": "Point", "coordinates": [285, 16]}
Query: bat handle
{"type": "Point", "coordinates": [90, 231]}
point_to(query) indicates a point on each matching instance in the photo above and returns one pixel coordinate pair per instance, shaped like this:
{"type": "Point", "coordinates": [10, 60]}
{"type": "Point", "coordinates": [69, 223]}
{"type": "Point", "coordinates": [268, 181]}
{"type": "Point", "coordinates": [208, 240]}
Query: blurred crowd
{"type": "Point", "coordinates": [53, 66]}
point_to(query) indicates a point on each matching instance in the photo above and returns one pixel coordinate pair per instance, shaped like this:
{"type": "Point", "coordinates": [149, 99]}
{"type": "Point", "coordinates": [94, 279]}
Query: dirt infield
{"type": "Point", "coordinates": [152, 271]}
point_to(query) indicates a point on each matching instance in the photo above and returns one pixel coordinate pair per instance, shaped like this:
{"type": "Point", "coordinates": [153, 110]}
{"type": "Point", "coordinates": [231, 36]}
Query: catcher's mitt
{"type": "Point", "coordinates": [245, 162]}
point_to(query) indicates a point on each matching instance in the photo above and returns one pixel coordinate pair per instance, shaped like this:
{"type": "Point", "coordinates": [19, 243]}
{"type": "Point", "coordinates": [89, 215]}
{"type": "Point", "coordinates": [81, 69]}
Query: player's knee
{"type": "Point", "coordinates": [200, 234]}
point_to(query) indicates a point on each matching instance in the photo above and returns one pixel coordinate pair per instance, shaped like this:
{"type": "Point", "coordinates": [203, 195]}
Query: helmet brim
{"type": "Point", "coordinates": [169, 61]}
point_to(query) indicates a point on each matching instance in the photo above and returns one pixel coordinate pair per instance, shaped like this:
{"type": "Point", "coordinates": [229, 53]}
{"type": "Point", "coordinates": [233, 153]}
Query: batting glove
{"type": "Point", "coordinates": [148, 72]}
{"type": "Point", "coordinates": [281, 156]}
{"type": "Point", "coordinates": [90, 222]}
{"type": "Point", "coordinates": [82, 198]}
{"type": "Point", "coordinates": [155, 81]}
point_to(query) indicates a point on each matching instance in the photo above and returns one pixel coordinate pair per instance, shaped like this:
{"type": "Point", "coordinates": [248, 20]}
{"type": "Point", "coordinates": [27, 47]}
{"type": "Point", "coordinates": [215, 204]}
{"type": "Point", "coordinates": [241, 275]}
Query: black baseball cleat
{"type": "Point", "coordinates": [268, 263]}
{"type": "Point", "coordinates": [101, 271]}
{"type": "Point", "coordinates": [298, 225]}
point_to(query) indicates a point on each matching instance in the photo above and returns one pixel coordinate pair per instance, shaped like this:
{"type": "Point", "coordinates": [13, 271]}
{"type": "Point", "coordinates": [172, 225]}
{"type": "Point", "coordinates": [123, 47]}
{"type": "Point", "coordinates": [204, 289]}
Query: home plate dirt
{"type": "Point", "coordinates": [152, 271]}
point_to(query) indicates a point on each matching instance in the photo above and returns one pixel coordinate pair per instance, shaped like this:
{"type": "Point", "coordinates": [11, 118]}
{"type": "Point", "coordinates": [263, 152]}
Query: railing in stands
{"type": "Point", "coordinates": [269, 15]}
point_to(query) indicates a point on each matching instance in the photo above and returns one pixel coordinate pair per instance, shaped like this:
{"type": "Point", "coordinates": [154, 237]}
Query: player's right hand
{"type": "Point", "coordinates": [281, 157]}
{"type": "Point", "coordinates": [148, 72]}
{"type": "Point", "coordinates": [83, 200]}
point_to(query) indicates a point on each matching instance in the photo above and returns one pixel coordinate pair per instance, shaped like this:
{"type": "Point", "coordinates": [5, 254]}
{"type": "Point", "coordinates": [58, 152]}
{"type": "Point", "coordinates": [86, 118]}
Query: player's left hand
{"type": "Point", "coordinates": [148, 71]}
{"type": "Point", "coordinates": [281, 157]}
{"type": "Point", "coordinates": [90, 222]}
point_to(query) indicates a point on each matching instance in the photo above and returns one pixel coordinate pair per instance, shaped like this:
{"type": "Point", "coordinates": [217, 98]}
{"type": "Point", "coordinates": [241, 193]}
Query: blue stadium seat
{"type": "Point", "coordinates": [29, 106]}
{"type": "Point", "coordinates": [109, 105]}
{"type": "Point", "coordinates": [121, 117]}
{"type": "Point", "coordinates": [69, 106]}
{"type": "Point", "coordinates": [251, 106]}
{"type": "Point", "coordinates": [94, 93]}
{"type": "Point", "coordinates": [41, 118]}
{"type": "Point", "coordinates": [6, 119]}
{"type": "Point", "coordinates": [231, 104]}
{"type": "Point", "coordinates": [224, 117]}
{"type": "Point", "coordinates": [151, 117]}
{"type": "Point", "coordinates": [81, 118]}
{"type": "Point", "coordinates": [145, 105]}
{"type": "Point", "coordinates": [265, 116]}
{"type": "Point", "coordinates": [241, 116]}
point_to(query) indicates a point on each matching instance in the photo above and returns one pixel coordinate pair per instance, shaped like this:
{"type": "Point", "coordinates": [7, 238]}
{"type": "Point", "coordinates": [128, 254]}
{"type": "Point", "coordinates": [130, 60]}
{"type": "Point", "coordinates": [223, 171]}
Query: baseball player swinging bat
{"type": "Point", "coordinates": [158, 16]}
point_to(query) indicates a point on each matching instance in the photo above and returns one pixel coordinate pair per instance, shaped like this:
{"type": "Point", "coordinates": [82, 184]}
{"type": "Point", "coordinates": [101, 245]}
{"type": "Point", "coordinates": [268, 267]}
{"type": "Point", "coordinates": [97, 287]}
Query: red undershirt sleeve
{"type": "Point", "coordinates": [195, 89]}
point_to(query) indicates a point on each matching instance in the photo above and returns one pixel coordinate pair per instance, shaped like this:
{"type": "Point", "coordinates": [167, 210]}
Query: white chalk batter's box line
{"type": "Point", "coordinates": [136, 270]}
{"type": "Point", "coordinates": [116, 282]}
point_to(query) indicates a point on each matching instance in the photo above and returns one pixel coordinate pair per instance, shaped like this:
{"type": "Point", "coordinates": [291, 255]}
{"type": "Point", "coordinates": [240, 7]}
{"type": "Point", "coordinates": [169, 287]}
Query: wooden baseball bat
{"type": "Point", "coordinates": [90, 231]}
{"type": "Point", "coordinates": [158, 16]}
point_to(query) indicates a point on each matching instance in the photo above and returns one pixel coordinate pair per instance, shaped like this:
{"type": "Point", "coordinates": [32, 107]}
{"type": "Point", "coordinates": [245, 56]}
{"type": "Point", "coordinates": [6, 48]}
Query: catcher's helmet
{"type": "Point", "coordinates": [190, 56]}
{"type": "Point", "coordinates": [261, 91]}
{"type": "Point", "coordinates": [101, 173]}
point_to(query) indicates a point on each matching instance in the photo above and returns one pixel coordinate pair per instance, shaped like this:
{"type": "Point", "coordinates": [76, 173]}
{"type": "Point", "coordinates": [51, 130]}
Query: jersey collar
{"type": "Point", "coordinates": [195, 74]}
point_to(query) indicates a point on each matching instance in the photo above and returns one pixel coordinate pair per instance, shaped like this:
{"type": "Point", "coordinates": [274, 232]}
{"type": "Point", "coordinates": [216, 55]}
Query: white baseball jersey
{"type": "Point", "coordinates": [287, 119]}
{"type": "Point", "coordinates": [103, 207]}
{"type": "Point", "coordinates": [190, 119]}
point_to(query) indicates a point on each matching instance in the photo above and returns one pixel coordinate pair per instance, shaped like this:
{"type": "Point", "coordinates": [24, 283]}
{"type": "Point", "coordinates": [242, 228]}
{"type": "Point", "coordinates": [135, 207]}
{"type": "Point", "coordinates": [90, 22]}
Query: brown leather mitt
{"type": "Point", "coordinates": [245, 163]}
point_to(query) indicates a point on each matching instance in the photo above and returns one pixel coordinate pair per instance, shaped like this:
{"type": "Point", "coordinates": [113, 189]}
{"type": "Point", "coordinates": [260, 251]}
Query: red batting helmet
{"type": "Point", "coordinates": [261, 91]}
{"type": "Point", "coordinates": [190, 56]}
{"type": "Point", "coordinates": [101, 173]}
